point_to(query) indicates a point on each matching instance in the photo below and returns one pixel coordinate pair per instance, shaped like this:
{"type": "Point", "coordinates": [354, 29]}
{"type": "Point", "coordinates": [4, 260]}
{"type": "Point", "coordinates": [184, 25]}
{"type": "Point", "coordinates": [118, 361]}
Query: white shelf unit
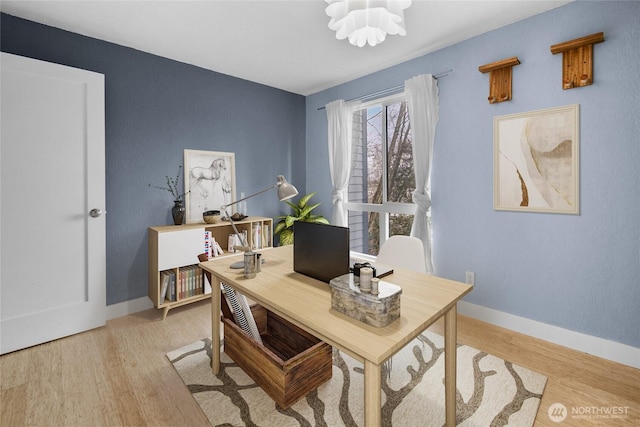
{"type": "Point", "coordinates": [176, 247]}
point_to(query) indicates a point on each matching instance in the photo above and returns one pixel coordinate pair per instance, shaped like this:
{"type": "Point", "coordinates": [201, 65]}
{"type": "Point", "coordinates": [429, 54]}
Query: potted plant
{"type": "Point", "coordinates": [177, 211]}
{"type": "Point", "coordinates": [301, 212]}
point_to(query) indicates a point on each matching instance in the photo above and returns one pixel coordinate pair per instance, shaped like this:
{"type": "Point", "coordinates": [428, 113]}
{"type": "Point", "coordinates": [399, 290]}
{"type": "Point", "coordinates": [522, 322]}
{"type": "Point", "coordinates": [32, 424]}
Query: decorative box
{"type": "Point", "coordinates": [288, 364]}
{"type": "Point", "coordinates": [375, 310]}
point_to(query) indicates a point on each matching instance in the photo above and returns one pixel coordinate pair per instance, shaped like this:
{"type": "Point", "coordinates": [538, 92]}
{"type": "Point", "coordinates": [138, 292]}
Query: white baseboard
{"type": "Point", "coordinates": [128, 307]}
{"type": "Point", "coordinates": [611, 350]}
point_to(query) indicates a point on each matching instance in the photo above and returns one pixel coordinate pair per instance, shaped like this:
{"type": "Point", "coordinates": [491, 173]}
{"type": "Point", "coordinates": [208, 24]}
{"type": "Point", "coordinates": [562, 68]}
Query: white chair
{"type": "Point", "coordinates": [403, 252]}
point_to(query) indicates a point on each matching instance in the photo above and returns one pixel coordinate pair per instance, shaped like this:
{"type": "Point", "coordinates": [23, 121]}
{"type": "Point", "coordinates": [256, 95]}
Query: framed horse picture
{"type": "Point", "coordinates": [210, 182]}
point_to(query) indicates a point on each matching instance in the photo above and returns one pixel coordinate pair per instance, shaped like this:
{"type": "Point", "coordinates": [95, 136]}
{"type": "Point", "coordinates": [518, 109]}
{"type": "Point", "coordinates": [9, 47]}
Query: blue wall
{"type": "Point", "coordinates": [582, 272]}
{"type": "Point", "coordinates": [579, 272]}
{"type": "Point", "coordinates": [156, 108]}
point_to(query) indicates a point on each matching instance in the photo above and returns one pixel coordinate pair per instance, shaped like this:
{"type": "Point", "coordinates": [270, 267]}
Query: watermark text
{"type": "Point", "coordinates": [559, 412]}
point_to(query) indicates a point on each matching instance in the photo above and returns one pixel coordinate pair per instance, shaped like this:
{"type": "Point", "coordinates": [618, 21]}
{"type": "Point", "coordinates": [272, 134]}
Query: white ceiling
{"type": "Point", "coordinates": [283, 44]}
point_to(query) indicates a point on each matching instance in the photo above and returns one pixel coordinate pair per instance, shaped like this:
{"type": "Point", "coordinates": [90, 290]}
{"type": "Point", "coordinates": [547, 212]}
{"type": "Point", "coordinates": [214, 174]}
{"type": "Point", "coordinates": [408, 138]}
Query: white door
{"type": "Point", "coordinates": [52, 174]}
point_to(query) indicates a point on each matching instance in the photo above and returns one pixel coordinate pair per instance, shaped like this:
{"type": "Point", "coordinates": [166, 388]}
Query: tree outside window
{"type": "Point", "coordinates": [382, 179]}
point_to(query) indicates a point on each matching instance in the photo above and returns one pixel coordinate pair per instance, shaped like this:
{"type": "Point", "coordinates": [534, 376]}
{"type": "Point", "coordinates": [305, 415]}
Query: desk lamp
{"type": "Point", "coordinates": [285, 192]}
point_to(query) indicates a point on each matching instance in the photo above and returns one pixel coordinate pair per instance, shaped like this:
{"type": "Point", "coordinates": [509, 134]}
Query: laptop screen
{"type": "Point", "coordinates": [320, 251]}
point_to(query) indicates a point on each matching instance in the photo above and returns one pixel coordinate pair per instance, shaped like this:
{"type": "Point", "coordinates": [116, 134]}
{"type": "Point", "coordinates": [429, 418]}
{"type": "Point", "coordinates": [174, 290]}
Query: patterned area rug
{"type": "Point", "coordinates": [491, 391]}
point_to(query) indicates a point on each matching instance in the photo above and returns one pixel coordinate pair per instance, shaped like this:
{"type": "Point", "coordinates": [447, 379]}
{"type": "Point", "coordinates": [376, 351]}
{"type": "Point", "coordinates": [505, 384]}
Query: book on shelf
{"type": "Point", "coordinates": [266, 236]}
{"type": "Point", "coordinates": [208, 244]}
{"type": "Point", "coordinates": [218, 248]}
{"type": "Point", "coordinates": [173, 284]}
{"type": "Point", "coordinates": [197, 272]}
{"type": "Point", "coordinates": [165, 278]}
{"type": "Point", "coordinates": [196, 282]}
{"type": "Point", "coordinates": [256, 236]}
{"type": "Point", "coordinates": [207, 285]}
{"type": "Point", "coordinates": [183, 282]}
{"type": "Point", "coordinates": [199, 281]}
{"type": "Point", "coordinates": [187, 283]}
{"type": "Point", "coordinates": [169, 286]}
{"type": "Point", "coordinates": [171, 291]}
{"type": "Point", "coordinates": [168, 293]}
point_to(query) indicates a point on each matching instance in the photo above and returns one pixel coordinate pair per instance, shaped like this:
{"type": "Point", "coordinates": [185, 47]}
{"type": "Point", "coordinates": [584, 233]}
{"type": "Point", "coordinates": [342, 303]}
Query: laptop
{"type": "Point", "coordinates": [320, 251]}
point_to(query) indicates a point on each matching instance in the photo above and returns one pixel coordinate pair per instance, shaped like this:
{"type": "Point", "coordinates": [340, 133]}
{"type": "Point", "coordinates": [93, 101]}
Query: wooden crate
{"type": "Point", "coordinates": [289, 364]}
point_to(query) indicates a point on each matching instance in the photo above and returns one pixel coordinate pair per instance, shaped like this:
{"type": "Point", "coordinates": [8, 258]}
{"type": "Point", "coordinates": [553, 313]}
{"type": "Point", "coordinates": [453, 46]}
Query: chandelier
{"type": "Point", "coordinates": [366, 21]}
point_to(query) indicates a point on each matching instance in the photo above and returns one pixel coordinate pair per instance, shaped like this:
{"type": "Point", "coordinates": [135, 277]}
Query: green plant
{"type": "Point", "coordinates": [301, 212]}
{"type": "Point", "coordinates": [172, 186]}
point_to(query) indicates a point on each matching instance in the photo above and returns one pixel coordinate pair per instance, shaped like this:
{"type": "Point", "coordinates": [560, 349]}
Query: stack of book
{"type": "Point", "coordinates": [183, 283]}
{"type": "Point", "coordinates": [211, 246]}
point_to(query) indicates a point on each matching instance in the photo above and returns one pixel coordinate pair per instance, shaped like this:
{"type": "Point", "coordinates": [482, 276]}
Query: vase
{"type": "Point", "coordinates": [177, 211]}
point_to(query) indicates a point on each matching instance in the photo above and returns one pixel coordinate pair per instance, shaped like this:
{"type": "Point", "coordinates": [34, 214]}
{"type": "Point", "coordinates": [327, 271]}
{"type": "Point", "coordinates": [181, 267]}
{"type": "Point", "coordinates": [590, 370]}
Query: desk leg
{"type": "Point", "coordinates": [372, 394]}
{"type": "Point", "coordinates": [215, 325]}
{"type": "Point", "coordinates": [450, 355]}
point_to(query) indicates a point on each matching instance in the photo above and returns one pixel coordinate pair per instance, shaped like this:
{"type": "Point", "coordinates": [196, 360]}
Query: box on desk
{"type": "Point", "coordinates": [289, 364]}
{"type": "Point", "coordinates": [375, 310]}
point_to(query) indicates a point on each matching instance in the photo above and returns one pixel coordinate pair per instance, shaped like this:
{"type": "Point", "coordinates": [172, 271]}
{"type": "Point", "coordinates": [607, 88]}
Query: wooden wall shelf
{"type": "Point", "coordinates": [499, 79]}
{"type": "Point", "coordinates": [577, 60]}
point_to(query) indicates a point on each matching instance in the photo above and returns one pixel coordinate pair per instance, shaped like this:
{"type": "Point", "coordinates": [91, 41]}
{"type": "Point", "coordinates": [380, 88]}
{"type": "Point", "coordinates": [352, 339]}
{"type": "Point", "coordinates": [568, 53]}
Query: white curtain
{"type": "Point", "coordinates": [340, 131]}
{"type": "Point", "coordinates": [422, 100]}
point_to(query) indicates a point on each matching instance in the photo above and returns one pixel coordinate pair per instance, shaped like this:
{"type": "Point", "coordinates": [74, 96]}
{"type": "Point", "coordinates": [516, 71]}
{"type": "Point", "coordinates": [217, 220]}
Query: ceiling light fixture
{"type": "Point", "coordinates": [366, 21]}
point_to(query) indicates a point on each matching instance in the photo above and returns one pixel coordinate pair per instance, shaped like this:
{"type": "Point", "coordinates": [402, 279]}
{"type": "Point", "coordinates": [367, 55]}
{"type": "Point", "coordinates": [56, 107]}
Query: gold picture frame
{"type": "Point", "coordinates": [536, 161]}
{"type": "Point", "coordinates": [210, 182]}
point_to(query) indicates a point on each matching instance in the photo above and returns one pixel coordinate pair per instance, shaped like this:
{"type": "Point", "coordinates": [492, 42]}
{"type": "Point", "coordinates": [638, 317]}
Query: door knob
{"type": "Point", "coordinates": [95, 213]}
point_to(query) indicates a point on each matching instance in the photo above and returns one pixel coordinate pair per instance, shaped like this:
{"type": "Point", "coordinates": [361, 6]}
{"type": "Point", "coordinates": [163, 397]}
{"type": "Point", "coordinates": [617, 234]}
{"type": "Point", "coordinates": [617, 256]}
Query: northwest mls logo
{"type": "Point", "coordinates": [557, 412]}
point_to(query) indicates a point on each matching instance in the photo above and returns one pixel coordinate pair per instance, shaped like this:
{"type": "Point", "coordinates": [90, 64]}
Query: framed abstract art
{"type": "Point", "coordinates": [536, 162]}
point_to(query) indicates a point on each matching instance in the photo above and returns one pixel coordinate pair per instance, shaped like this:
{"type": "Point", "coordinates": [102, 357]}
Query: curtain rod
{"type": "Point", "coordinates": [390, 90]}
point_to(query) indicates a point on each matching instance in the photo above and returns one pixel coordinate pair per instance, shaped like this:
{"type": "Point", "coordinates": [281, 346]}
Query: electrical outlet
{"type": "Point", "coordinates": [471, 278]}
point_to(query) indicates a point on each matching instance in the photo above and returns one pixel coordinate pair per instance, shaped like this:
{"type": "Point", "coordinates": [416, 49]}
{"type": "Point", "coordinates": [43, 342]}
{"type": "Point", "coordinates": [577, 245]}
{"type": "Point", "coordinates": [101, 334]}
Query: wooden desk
{"type": "Point", "coordinates": [306, 302]}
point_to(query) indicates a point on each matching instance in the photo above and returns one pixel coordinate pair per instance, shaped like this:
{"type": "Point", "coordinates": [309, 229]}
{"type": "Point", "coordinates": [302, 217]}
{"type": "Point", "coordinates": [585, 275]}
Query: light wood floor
{"type": "Point", "coordinates": [119, 375]}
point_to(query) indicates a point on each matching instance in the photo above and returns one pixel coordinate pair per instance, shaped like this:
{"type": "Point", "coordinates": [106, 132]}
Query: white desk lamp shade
{"type": "Point", "coordinates": [285, 190]}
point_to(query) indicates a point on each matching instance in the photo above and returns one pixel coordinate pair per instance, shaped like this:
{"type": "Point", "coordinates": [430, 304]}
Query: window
{"type": "Point", "coordinates": [382, 179]}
